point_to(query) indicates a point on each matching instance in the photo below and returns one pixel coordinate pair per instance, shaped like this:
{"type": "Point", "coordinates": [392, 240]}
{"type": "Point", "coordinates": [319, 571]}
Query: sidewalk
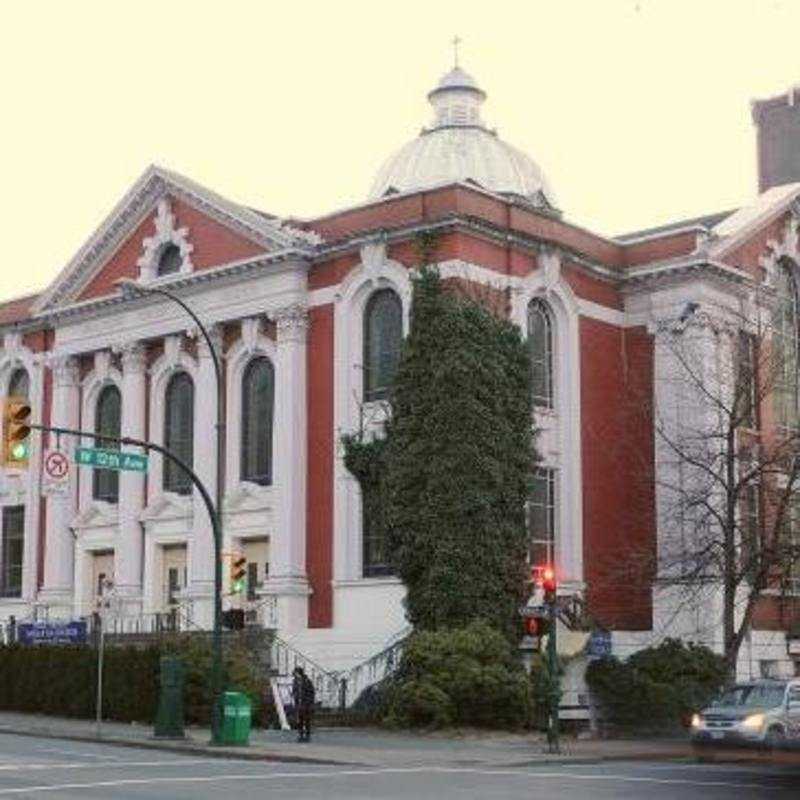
{"type": "Point", "coordinates": [358, 746]}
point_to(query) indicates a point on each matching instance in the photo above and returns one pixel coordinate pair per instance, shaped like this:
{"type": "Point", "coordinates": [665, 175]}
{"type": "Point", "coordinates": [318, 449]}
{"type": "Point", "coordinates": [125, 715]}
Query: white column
{"type": "Point", "coordinates": [288, 544]}
{"type": "Point", "coordinates": [129, 550]}
{"type": "Point", "coordinates": [33, 490]}
{"type": "Point", "coordinates": [61, 504]}
{"type": "Point", "coordinates": [201, 539]}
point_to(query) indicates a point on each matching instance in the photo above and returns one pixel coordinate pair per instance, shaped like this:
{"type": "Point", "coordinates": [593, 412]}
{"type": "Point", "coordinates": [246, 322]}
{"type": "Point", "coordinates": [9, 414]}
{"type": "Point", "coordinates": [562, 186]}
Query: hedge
{"type": "Point", "coordinates": [62, 680]}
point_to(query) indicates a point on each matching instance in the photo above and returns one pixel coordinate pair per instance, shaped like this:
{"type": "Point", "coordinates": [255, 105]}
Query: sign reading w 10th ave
{"type": "Point", "coordinates": [110, 459]}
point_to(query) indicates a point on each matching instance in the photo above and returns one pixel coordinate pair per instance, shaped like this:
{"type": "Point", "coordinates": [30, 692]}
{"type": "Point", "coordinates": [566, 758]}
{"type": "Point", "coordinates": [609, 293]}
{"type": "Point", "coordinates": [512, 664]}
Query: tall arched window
{"type": "Point", "coordinates": [383, 338]}
{"type": "Point", "coordinates": [784, 344]}
{"type": "Point", "coordinates": [105, 482]}
{"type": "Point", "coordinates": [540, 346]}
{"type": "Point", "coordinates": [19, 385]}
{"type": "Point", "coordinates": [258, 401]}
{"type": "Point", "coordinates": [179, 431]}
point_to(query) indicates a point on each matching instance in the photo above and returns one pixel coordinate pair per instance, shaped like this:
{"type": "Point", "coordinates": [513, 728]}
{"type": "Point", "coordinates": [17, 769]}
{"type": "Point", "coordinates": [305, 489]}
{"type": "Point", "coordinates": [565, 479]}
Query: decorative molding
{"type": "Point", "coordinates": [292, 323]}
{"type": "Point", "coordinates": [12, 343]}
{"type": "Point", "coordinates": [373, 259]}
{"type": "Point", "coordinates": [65, 369]}
{"type": "Point", "coordinates": [134, 357]}
{"type": "Point", "coordinates": [166, 233]}
{"type": "Point", "coordinates": [251, 330]}
{"type": "Point", "coordinates": [787, 247]}
{"type": "Point", "coordinates": [550, 264]}
{"type": "Point", "coordinates": [214, 333]}
{"type": "Point", "coordinates": [172, 351]}
{"type": "Point", "coordinates": [102, 365]}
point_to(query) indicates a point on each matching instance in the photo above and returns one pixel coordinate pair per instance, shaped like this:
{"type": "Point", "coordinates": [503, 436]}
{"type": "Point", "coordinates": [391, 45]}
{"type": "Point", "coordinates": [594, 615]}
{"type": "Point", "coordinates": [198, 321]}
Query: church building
{"type": "Point", "coordinates": [308, 316]}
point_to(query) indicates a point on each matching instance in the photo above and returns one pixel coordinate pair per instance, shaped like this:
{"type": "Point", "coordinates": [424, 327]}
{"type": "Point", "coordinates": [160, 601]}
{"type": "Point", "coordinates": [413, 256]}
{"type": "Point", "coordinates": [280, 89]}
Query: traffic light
{"type": "Point", "coordinates": [238, 574]}
{"type": "Point", "coordinates": [532, 625]}
{"type": "Point", "coordinates": [16, 432]}
{"type": "Point", "coordinates": [549, 585]}
{"type": "Point", "coordinates": [537, 626]}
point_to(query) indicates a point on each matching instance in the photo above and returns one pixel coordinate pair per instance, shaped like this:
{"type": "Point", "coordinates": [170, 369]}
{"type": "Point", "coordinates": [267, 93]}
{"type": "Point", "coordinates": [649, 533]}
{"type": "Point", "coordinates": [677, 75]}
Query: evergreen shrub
{"type": "Point", "coordinates": [658, 687]}
{"type": "Point", "coordinates": [465, 676]}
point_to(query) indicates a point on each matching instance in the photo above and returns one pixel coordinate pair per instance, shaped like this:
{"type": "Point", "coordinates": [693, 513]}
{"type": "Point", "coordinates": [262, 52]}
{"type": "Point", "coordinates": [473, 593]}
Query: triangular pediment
{"type": "Point", "coordinates": [210, 230]}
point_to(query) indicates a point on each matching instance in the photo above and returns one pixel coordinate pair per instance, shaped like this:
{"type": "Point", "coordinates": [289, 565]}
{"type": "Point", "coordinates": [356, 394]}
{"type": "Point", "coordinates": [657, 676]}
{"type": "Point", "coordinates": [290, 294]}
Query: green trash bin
{"type": "Point", "coordinates": [169, 718]}
{"type": "Point", "coordinates": [236, 718]}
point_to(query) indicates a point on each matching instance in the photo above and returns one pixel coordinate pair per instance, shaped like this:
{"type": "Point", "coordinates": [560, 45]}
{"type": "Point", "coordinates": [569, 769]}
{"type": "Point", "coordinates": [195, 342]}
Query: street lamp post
{"type": "Point", "coordinates": [131, 289]}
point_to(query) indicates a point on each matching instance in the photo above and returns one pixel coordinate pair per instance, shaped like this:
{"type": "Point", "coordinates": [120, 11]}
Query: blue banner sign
{"type": "Point", "coordinates": [599, 644]}
{"type": "Point", "coordinates": [51, 632]}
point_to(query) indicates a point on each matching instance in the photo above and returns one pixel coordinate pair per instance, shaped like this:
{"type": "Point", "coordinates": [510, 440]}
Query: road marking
{"type": "Point", "coordinates": [372, 772]}
{"type": "Point", "coordinates": [84, 753]}
{"type": "Point", "coordinates": [107, 764]}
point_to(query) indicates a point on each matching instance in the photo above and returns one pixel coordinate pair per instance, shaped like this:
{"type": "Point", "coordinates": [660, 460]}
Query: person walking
{"type": "Point", "coordinates": [303, 695]}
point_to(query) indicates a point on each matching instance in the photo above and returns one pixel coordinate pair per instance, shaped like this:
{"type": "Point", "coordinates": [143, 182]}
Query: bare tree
{"type": "Point", "coordinates": [727, 460]}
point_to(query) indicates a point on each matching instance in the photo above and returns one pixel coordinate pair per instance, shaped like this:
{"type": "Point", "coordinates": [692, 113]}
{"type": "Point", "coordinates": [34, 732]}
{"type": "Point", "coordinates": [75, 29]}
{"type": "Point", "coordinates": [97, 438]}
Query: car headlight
{"type": "Point", "coordinates": [754, 721]}
{"type": "Point", "coordinates": [697, 721]}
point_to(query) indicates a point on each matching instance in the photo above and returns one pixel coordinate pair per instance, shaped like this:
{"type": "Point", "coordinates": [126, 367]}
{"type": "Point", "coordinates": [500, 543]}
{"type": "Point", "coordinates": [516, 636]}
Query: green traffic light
{"type": "Point", "coordinates": [238, 586]}
{"type": "Point", "coordinates": [20, 451]}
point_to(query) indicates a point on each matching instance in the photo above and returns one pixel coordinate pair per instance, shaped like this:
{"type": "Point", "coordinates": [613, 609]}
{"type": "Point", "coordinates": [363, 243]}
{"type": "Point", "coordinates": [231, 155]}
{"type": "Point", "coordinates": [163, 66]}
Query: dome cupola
{"type": "Point", "coordinates": [458, 146]}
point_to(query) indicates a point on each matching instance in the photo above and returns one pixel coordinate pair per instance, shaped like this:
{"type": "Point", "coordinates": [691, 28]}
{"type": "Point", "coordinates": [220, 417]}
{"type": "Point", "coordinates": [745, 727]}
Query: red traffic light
{"type": "Point", "coordinates": [532, 626]}
{"type": "Point", "coordinates": [548, 579]}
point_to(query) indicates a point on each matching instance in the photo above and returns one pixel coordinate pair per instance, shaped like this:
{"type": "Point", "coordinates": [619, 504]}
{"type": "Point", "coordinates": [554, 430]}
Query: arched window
{"type": "Point", "coordinates": [784, 344]}
{"type": "Point", "coordinates": [258, 401]}
{"type": "Point", "coordinates": [179, 431]}
{"type": "Point", "coordinates": [169, 259]}
{"type": "Point", "coordinates": [105, 482]}
{"type": "Point", "coordinates": [383, 338]}
{"type": "Point", "coordinates": [19, 384]}
{"type": "Point", "coordinates": [540, 346]}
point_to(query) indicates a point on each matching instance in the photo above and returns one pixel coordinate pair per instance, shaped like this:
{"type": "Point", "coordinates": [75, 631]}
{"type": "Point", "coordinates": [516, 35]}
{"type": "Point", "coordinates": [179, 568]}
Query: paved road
{"type": "Point", "coordinates": [64, 770]}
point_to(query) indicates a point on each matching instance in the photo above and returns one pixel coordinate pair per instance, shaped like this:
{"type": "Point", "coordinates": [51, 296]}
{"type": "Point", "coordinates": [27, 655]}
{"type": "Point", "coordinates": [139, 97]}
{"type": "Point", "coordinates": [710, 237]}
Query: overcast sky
{"type": "Point", "coordinates": [637, 110]}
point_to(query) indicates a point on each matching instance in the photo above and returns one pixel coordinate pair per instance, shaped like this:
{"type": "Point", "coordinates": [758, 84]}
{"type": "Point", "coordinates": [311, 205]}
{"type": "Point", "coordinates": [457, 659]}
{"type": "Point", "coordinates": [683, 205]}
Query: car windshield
{"type": "Point", "coordinates": [752, 696]}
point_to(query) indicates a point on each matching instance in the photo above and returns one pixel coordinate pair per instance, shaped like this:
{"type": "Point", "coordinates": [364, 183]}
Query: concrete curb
{"type": "Point", "coordinates": [191, 748]}
{"type": "Point", "coordinates": [174, 746]}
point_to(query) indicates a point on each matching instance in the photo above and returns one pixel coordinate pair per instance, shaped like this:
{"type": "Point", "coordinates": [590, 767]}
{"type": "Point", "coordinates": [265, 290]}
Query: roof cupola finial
{"type": "Point", "coordinates": [456, 43]}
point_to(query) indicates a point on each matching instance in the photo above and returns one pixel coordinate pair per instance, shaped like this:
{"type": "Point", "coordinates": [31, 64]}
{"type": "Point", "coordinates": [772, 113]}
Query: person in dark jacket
{"type": "Point", "coordinates": [303, 695]}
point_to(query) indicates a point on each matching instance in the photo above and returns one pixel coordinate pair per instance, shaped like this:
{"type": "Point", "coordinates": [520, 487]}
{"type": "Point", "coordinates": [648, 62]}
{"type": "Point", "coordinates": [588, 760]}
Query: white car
{"type": "Point", "coordinates": [760, 713]}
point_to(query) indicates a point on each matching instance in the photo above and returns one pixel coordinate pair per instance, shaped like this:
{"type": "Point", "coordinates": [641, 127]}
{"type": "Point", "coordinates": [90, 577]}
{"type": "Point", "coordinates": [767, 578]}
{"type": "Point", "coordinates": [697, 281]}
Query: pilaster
{"type": "Point", "coordinates": [61, 503]}
{"type": "Point", "coordinates": [201, 540]}
{"type": "Point", "coordinates": [288, 579]}
{"type": "Point", "coordinates": [129, 551]}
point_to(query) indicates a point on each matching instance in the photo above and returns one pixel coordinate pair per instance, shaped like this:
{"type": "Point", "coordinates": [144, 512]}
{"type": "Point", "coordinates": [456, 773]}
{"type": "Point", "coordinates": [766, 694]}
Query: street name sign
{"type": "Point", "coordinates": [52, 632]}
{"type": "Point", "coordinates": [110, 459]}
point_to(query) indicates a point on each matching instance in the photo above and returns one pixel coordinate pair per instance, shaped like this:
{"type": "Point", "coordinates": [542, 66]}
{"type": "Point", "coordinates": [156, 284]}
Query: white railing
{"type": "Point", "coordinates": [284, 658]}
{"type": "Point", "coordinates": [357, 679]}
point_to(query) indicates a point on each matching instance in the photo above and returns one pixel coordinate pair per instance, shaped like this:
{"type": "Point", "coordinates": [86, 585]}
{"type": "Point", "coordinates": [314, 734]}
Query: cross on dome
{"type": "Point", "coordinates": [456, 43]}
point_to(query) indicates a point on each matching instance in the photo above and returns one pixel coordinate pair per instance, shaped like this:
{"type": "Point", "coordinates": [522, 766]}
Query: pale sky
{"type": "Point", "coordinates": [637, 110]}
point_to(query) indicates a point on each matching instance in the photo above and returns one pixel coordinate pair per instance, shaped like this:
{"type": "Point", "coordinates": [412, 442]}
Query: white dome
{"type": "Point", "coordinates": [459, 147]}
